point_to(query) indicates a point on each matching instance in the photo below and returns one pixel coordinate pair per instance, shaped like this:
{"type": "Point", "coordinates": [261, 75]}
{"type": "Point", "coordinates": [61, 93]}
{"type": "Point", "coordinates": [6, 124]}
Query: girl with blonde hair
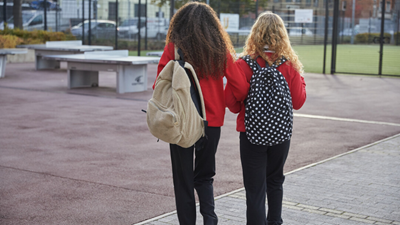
{"type": "Point", "coordinates": [196, 30]}
{"type": "Point", "coordinates": [262, 165]}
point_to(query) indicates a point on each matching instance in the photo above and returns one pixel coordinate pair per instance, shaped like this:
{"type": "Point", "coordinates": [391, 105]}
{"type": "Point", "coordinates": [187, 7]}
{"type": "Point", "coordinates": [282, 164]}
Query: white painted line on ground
{"type": "Point", "coordinates": [344, 119]}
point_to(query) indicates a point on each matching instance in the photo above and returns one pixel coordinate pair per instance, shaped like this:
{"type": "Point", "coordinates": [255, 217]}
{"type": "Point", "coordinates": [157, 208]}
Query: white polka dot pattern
{"type": "Point", "coordinates": [269, 109]}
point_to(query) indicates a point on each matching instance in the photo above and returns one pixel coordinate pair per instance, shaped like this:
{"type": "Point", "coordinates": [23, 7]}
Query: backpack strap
{"type": "Point", "coordinates": [283, 60]}
{"type": "Point", "coordinates": [255, 66]}
{"type": "Point", "coordinates": [196, 96]}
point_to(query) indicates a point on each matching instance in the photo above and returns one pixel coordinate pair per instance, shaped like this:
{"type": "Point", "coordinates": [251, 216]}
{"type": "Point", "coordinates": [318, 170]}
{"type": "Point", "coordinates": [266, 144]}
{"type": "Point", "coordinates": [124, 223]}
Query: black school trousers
{"type": "Point", "coordinates": [187, 177]}
{"type": "Point", "coordinates": [263, 177]}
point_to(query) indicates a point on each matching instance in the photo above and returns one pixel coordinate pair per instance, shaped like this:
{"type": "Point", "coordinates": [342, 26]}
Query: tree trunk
{"type": "Point", "coordinates": [17, 13]}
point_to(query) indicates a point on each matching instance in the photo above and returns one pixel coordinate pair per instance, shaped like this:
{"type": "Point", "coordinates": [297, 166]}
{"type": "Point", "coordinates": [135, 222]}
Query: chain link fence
{"type": "Point", "coordinates": [128, 24]}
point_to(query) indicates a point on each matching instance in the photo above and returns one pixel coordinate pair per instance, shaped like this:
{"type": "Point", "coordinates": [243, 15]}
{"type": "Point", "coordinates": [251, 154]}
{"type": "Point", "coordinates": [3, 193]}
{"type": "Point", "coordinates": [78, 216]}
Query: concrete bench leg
{"type": "Point", "coordinates": [3, 61]}
{"type": "Point", "coordinates": [46, 64]}
{"type": "Point", "coordinates": [132, 78]}
{"type": "Point", "coordinates": [81, 78]}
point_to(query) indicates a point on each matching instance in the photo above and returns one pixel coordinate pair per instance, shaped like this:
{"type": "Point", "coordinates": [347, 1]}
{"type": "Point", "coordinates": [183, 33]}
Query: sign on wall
{"type": "Point", "coordinates": [230, 21]}
{"type": "Point", "coordinates": [303, 15]}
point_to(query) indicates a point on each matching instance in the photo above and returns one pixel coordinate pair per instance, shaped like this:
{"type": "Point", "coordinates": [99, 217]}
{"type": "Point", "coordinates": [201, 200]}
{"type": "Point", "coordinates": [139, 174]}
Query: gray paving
{"type": "Point", "coordinates": [359, 187]}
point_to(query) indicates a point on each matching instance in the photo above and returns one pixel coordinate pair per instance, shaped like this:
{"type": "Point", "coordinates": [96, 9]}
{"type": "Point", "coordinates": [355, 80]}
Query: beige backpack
{"type": "Point", "coordinates": [174, 114]}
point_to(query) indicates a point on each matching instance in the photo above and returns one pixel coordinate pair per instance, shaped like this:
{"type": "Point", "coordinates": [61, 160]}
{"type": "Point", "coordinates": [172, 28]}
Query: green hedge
{"type": "Point", "coordinates": [369, 37]}
{"type": "Point", "coordinates": [36, 36]}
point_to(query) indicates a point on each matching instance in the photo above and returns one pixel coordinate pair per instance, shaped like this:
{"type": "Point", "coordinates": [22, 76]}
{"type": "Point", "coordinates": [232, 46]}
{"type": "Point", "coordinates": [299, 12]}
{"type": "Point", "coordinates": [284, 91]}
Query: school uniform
{"type": "Point", "coordinates": [262, 166]}
{"type": "Point", "coordinates": [185, 178]}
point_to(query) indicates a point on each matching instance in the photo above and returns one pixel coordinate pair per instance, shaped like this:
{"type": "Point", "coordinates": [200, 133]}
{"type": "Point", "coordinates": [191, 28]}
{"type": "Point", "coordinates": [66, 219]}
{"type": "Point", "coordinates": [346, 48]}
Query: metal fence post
{"type": "Point", "coordinates": [334, 35]}
{"type": "Point", "coordinates": [326, 33]}
{"type": "Point", "coordinates": [57, 16]}
{"type": "Point", "coordinates": [83, 21]}
{"type": "Point", "coordinates": [145, 26]}
{"type": "Point", "coordinates": [369, 26]}
{"type": "Point", "coordinates": [256, 9]}
{"type": "Point", "coordinates": [90, 23]}
{"type": "Point", "coordinates": [116, 24]}
{"type": "Point", "coordinates": [382, 37]}
{"type": "Point", "coordinates": [398, 24]}
{"type": "Point", "coordinates": [139, 23]}
{"type": "Point", "coordinates": [45, 14]}
{"type": "Point", "coordinates": [4, 13]}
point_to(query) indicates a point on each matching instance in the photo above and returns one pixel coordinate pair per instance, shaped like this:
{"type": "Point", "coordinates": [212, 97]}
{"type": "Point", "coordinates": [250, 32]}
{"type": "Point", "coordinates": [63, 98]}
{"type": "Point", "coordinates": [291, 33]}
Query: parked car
{"type": "Point", "coordinates": [34, 20]}
{"type": "Point", "coordinates": [349, 31]}
{"type": "Point", "coordinates": [298, 31]}
{"type": "Point", "coordinates": [40, 5]}
{"type": "Point", "coordinates": [99, 29]}
{"type": "Point", "coordinates": [156, 28]}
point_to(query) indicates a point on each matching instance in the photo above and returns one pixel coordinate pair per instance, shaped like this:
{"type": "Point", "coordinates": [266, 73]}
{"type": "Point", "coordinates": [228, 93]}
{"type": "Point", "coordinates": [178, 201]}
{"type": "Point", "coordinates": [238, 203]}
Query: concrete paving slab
{"type": "Point", "coordinates": [359, 187]}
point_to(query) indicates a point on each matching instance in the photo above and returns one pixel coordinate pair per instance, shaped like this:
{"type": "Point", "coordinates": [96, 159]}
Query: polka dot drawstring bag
{"type": "Point", "coordinates": [269, 110]}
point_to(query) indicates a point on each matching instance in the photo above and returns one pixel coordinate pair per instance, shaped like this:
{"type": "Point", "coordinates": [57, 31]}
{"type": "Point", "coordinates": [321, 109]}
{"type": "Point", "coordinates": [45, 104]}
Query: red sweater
{"type": "Point", "coordinates": [296, 84]}
{"type": "Point", "coordinates": [213, 89]}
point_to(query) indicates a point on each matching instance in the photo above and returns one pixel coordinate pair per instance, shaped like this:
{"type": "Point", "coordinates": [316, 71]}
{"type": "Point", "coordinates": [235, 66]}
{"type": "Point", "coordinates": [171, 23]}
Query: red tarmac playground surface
{"type": "Point", "coordinates": [85, 156]}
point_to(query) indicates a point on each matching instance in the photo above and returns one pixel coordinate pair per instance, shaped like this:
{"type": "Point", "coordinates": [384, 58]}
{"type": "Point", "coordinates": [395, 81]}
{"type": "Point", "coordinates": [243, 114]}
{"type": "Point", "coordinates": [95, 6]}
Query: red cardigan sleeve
{"type": "Point", "coordinates": [230, 100]}
{"type": "Point", "coordinates": [236, 80]}
{"type": "Point", "coordinates": [297, 87]}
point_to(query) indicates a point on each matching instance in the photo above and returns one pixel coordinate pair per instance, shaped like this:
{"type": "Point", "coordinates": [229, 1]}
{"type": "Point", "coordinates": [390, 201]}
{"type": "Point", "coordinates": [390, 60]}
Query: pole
{"type": "Point", "coordinates": [171, 9]}
{"type": "Point", "coordinates": [90, 22]}
{"type": "Point", "coordinates": [256, 9]}
{"type": "Point", "coordinates": [398, 24]}
{"type": "Point", "coordinates": [83, 21]}
{"type": "Point", "coordinates": [326, 33]}
{"type": "Point", "coordinates": [382, 40]}
{"type": "Point", "coordinates": [4, 13]}
{"type": "Point", "coordinates": [57, 16]}
{"type": "Point", "coordinates": [334, 35]}
{"type": "Point", "coordinates": [353, 11]}
{"type": "Point", "coordinates": [139, 25]}
{"type": "Point", "coordinates": [45, 14]}
{"type": "Point", "coordinates": [145, 26]}
{"type": "Point", "coordinates": [369, 26]}
{"type": "Point", "coordinates": [116, 24]}
{"type": "Point", "coordinates": [342, 25]}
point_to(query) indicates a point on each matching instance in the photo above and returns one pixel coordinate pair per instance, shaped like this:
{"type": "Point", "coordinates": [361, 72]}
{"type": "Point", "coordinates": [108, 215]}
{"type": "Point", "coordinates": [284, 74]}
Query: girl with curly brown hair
{"type": "Point", "coordinates": [196, 30]}
{"type": "Point", "coordinates": [262, 165]}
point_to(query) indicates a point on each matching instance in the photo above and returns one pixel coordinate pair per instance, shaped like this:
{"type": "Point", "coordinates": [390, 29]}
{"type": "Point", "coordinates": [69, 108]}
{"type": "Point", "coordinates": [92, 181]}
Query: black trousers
{"type": "Point", "coordinates": [187, 177]}
{"type": "Point", "coordinates": [263, 177]}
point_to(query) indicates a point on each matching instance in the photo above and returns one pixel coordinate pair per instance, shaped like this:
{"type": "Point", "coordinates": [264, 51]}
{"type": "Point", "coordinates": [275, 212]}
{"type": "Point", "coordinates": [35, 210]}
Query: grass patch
{"type": "Point", "coordinates": [350, 58]}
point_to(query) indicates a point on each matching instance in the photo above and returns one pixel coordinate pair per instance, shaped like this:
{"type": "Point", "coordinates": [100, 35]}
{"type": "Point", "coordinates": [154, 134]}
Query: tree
{"type": "Point", "coordinates": [17, 14]}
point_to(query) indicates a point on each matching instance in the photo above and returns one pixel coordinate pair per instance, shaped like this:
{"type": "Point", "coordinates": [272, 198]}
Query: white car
{"type": "Point", "coordinates": [349, 31]}
{"type": "Point", "coordinates": [298, 31]}
{"type": "Point", "coordinates": [156, 28]}
{"type": "Point", "coordinates": [99, 29]}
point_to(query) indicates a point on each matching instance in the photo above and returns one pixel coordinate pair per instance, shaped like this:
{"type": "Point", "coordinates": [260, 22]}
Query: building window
{"type": "Point", "coordinates": [387, 7]}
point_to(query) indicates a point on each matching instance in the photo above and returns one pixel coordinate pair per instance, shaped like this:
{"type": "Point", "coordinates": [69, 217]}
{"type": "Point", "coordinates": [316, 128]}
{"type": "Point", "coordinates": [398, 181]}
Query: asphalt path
{"type": "Point", "coordinates": [85, 156]}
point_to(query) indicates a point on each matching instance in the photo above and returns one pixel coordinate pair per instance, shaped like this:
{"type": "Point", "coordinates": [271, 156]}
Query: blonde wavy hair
{"type": "Point", "coordinates": [195, 28]}
{"type": "Point", "coordinates": [270, 30]}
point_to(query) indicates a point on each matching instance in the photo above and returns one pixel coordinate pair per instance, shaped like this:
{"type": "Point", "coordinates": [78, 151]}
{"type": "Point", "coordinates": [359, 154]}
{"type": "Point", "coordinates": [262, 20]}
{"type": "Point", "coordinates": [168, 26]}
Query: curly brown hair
{"type": "Point", "coordinates": [195, 28]}
{"type": "Point", "coordinates": [269, 29]}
